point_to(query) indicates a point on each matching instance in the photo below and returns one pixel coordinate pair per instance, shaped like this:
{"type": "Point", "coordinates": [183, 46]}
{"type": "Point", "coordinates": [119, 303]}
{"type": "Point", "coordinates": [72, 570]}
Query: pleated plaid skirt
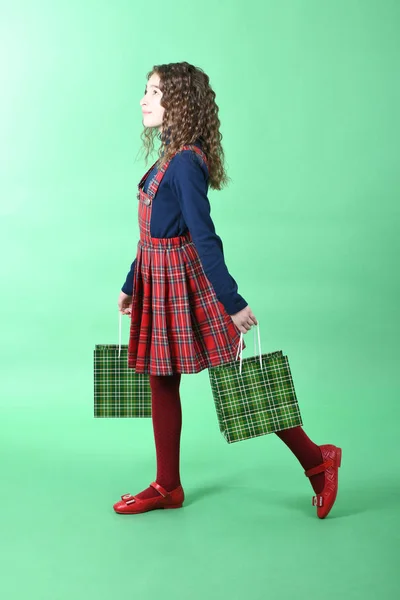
{"type": "Point", "coordinates": [177, 323]}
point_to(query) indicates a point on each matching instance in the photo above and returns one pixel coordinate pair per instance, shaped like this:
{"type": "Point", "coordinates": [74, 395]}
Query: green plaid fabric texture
{"type": "Point", "coordinates": [118, 390]}
{"type": "Point", "coordinates": [257, 401]}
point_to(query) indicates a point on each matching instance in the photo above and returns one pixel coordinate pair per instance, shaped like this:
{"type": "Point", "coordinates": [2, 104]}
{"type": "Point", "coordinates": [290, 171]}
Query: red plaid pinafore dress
{"type": "Point", "coordinates": [177, 323]}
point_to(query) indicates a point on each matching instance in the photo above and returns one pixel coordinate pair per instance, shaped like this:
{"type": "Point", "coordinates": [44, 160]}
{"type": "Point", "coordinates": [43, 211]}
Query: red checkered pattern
{"type": "Point", "coordinates": [177, 323]}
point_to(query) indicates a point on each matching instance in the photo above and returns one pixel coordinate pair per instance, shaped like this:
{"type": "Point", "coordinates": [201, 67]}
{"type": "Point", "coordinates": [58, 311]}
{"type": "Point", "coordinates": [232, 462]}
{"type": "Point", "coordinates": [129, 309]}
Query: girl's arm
{"type": "Point", "coordinates": [189, 182]}
{"type": "Point", "coordinates": [127, 288]}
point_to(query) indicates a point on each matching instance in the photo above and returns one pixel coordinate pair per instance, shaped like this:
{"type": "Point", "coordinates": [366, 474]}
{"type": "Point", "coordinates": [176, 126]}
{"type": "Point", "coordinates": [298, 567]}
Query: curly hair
{"type": "Point", "coordinates": [190, 113]}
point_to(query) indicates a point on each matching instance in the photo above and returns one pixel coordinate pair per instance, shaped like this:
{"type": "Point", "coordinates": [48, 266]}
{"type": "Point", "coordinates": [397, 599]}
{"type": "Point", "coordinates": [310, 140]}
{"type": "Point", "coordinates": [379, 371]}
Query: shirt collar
{"type": "Point", "coordinates": [198, 141]}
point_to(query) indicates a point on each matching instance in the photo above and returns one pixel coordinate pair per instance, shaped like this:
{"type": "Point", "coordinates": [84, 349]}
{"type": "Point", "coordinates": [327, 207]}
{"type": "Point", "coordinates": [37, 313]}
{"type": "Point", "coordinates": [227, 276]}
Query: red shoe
{"type": "Point", "coordinates": [130, 505]}
{"type": "Point", "coordinates": [332, 456]}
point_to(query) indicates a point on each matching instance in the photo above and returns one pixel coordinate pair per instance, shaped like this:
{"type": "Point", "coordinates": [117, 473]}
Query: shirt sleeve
{"type": "Point", "coordinates": [189, 182]}
{"type": "Point", "coordinates": [127, 288]}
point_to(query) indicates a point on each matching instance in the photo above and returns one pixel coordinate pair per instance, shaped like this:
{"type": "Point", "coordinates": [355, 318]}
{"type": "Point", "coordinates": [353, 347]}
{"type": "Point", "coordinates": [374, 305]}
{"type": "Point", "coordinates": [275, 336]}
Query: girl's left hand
{"type": "Point", "coordinates": [124, 303]}
{"type": "Point", "coordinates": [244, 319]}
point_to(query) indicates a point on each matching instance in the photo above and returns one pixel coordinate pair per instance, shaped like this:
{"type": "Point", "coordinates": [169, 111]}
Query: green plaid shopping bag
{"type": "Point", "coordinates": [256, 397]}
{"type": "Point", "coordinates": [118, 390]}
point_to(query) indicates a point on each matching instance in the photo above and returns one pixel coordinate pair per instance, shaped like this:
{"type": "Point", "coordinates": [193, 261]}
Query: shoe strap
{"type": "Point", "coordinates": [159, 489]}
{"type": "Point", "coordinates": [319, 468]}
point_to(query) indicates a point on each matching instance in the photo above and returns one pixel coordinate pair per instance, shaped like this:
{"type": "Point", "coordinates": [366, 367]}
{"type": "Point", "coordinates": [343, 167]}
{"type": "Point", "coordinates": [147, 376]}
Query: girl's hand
{"type": "Point", "coordinates": [244, 319]}
{"type": "Point", "coordinates": [124, 304]}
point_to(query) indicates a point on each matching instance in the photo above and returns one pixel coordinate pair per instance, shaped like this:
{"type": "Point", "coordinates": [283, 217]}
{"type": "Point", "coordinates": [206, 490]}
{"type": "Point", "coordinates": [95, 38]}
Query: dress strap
{"type": "Point", "coordinates": [156, 180]}
{"type": "Point", "coordinates": [198, 151]}
{"type": "Point", "coordinates": [146, 174]}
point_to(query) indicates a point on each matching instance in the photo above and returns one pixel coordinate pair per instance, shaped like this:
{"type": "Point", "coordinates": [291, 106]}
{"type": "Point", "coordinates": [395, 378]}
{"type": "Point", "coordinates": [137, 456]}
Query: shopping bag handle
{"type": "Point", "coordinates": [119, 335]}
{"type": "Point", "coordinates": [241, 346]}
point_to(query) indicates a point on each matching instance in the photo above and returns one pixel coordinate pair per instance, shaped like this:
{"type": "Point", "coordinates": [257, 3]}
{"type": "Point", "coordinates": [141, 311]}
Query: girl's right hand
{"type": "Point", "coordinates": [124, 303]}
{"type": "Point", "coordinates": [244, 319]}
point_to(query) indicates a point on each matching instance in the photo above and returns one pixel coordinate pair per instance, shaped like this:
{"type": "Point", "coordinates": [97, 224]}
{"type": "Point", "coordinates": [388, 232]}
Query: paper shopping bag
{"type": "Point", "coordinates": [255, 396]}
{"type": "Point", "coordinates": [118, 390]}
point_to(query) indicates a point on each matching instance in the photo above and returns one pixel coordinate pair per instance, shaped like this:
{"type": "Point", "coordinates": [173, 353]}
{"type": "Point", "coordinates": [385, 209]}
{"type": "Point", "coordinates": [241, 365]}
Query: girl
{"type": "Point", "coordinates": [186, 312]}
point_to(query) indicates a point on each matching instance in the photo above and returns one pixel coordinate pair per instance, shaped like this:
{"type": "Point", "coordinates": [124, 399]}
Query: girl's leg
{"type": "Point", "coordinates": [308, 454]}
{"type": "Point", "coordinates": [167, 424]}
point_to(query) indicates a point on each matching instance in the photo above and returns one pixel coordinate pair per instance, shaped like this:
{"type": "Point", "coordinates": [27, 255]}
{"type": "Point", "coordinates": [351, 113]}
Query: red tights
{"type": "Point", "coordinates": [166, 415]}
{"type": "Point", "coordinates": [167, 425]}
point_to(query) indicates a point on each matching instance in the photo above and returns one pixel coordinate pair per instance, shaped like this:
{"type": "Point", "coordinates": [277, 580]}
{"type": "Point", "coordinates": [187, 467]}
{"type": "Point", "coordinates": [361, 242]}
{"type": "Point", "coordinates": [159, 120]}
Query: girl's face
{"type": "Point", "coordinates": [152, 111]}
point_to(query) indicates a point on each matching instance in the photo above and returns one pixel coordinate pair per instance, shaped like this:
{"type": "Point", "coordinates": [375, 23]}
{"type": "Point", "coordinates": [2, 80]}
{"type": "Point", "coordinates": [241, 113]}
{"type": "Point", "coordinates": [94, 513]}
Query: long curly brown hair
{"type": "Point", "coordinates": [190, 113]}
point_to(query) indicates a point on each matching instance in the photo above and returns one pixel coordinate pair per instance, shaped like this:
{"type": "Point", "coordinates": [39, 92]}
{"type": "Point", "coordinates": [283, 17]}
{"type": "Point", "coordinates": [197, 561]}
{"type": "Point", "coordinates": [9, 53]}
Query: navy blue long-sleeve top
{"type": "Point", "coordinates": [181, 203]}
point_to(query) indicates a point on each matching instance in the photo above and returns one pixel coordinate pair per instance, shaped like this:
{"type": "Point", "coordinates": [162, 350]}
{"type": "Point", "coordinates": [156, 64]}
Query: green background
{"type": "Point", "coordinates": [308, 94]}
